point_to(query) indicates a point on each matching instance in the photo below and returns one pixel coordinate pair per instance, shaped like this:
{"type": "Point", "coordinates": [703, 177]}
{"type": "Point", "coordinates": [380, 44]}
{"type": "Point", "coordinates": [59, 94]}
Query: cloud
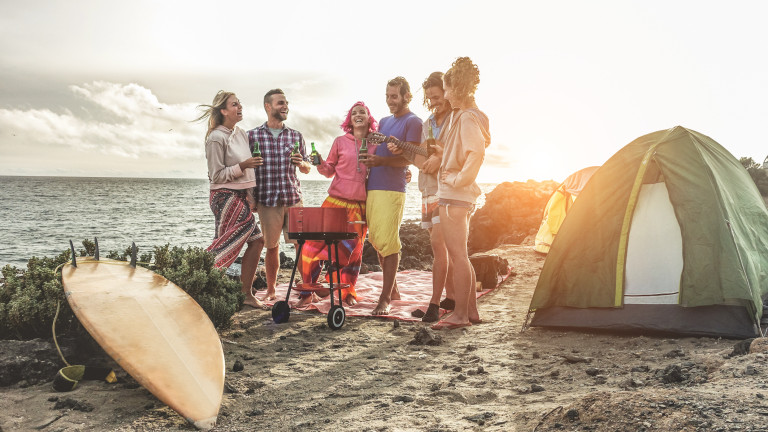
{"type": "Point", "coordinates": [124, 120]}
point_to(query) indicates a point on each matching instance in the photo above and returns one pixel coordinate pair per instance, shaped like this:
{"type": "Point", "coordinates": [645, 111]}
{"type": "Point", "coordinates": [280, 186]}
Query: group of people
{"type": "Point", "coordinates": [255, 171]}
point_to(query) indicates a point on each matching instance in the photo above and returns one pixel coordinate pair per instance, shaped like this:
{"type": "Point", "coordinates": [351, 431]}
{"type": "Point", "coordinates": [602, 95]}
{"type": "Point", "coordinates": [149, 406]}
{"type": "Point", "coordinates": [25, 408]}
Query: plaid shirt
{"type": "Point", "coordinates": [276, 181]}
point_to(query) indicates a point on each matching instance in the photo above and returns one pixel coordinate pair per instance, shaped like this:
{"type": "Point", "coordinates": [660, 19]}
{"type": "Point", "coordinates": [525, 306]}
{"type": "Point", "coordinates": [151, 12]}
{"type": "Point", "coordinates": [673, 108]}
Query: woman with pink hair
{"type": "Point", "coordinates": [347, 191]}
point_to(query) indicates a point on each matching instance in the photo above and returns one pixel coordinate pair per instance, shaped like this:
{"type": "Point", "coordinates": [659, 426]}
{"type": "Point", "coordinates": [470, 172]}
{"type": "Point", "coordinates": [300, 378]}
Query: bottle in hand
{"type": "Point", "coordinates": [363, 151]}
{"type": "Point", "coordinates": [315, 155]}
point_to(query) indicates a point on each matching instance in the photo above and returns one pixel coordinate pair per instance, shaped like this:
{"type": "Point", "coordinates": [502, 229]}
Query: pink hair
{"type": "Point", "coordinates": [346, 125]}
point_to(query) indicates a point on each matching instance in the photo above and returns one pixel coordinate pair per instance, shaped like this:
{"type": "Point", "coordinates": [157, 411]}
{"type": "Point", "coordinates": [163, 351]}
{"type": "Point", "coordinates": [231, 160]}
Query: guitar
{"type": "Point", "coordinates": [378, 138]}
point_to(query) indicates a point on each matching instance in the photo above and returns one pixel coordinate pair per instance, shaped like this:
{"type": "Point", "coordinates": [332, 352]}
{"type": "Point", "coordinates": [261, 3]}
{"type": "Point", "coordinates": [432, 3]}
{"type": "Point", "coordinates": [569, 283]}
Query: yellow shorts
{"type": "Point", "coordinates": [384, 213]}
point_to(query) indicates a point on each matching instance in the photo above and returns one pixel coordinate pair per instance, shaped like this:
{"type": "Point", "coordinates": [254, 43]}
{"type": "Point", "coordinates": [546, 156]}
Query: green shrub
{"type": "Point", "coordinates": [28, 298]}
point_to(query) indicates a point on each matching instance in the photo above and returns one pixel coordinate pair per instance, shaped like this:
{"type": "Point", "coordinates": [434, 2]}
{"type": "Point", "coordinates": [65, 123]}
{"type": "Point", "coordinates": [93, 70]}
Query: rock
{"type": "Point", "coordinates": [238, 366]}
{"type": "Point", "coordinates": [675, 353]}
{"type": "Point", "coordinates": [480, 419]}
{"type": "Point", "coordinates": [750, 370]}
{"type": "Point", "coordinates": [488, 268]}
{"type": "Point", "coordinates": [424, 336]}
{"type": "Point", "coordinates": [285, 261]}
{"type": "Point", "coordinates": [673, 374]}
{"type": "Point", "coordinates": [522, 389]}
{"type": "Point", "coordinates": [69, 403]}
{"type": "Point", "coordinates": [572, 414]}
{"type": "Point", "coordinates": [403, 398]}
{"type": "Point", "coordinates": [34, 361]}
{"type": "Point", "coordinates": [512, 212]}
{"type": "Point", "coordinates": [535, 388]}
{"type": "Point", "coordinates": [601, 379]}
{"type": "Point", "coordinates": [758, 345]}
{"type": "Point", "coordinates": [592, 371]}
{"type": "Point", "coordinates": [254, 412]}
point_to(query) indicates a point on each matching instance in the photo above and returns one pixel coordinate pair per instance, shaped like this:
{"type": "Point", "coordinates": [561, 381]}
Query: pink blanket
{"type": "Point", "coordinates": [415, 291]}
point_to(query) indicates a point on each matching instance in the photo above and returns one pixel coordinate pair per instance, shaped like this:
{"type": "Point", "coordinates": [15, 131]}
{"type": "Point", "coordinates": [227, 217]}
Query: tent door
{"type": "Point", "coordinates": [654, 250]}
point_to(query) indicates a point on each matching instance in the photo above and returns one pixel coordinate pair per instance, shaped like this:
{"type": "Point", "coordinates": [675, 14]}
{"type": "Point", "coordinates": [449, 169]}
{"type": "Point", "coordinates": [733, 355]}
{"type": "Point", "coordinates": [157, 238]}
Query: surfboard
{"type": "Point", "coordinates": [154, 330]}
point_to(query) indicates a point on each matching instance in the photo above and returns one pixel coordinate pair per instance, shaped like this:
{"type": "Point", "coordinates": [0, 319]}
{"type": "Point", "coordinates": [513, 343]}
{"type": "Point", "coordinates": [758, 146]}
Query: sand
{"type": "Point", "coordinates": [379, 375]}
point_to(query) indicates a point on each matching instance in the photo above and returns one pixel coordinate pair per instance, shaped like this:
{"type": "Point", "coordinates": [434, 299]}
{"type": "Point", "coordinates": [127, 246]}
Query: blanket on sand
{"type": "Point", "coordinates": [415, 288]}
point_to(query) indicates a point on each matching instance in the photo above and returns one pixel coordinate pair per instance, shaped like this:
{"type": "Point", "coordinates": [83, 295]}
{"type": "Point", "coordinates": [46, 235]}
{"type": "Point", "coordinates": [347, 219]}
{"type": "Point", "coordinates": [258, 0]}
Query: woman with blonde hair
{"type": "Point", "coordinates": [464, 144]}
{"type": "Point", "coordinates": [232, 179]}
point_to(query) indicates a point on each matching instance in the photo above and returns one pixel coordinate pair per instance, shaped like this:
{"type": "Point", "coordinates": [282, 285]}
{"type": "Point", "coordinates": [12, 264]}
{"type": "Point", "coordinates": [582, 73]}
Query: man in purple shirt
{"type": "Point", "coordinates": [277, 186]}
{"type": "Point", "coordinates": [386, 188]}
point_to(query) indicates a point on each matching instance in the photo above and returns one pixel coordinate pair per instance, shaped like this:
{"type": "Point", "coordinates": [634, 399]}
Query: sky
{"type": "Point", "coordinates": [107, 88]}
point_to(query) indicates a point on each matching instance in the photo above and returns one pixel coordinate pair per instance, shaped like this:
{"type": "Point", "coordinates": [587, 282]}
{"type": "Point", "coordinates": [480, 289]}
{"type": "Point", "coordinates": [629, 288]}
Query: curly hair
{"type": "Point", "coordinates": [435, 79]}
{"type": "Point", "coordinates": [463, 77]}
{"type": "Point", "coordinates": [346, 125]}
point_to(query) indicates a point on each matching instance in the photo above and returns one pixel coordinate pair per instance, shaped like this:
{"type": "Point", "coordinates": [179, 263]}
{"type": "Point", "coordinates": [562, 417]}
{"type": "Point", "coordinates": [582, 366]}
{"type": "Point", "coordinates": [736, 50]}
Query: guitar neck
{"type": "Point", "coordinates": [419, 150]}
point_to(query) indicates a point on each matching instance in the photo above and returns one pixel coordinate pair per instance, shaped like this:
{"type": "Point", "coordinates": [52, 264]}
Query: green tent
{"type": "Point", "coordinates": [670, 235]}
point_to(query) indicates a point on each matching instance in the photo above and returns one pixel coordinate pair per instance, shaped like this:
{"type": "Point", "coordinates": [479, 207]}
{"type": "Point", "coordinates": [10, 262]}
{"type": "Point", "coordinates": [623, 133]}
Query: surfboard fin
{"type": "Point", "coordinates": [72, 247]}
{"type": "Point", "coordinates": [133, 254]}
{"type": "Point", "coordinates": [96, 250]}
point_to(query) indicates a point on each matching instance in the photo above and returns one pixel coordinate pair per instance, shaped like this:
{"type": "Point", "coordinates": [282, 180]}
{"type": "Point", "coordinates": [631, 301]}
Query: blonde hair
{"type": "Point", "coordinates": [463, 77]}
{"type": "Point", "coordinates": [213, 111]}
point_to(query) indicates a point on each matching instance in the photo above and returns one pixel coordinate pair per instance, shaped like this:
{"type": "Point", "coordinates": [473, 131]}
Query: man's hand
{"type": "Point", "coordinates": [432, 164]}
{"type": "Point", "coordinates": [408, 176]}
{"type": "Point", "coordinates": [303, 166]}
{"type": "Point", "coordinates": [394, 149]}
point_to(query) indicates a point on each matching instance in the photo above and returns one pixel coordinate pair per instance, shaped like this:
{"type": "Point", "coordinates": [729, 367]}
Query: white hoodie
{"type": "Point", "coordinates": [463, 153]}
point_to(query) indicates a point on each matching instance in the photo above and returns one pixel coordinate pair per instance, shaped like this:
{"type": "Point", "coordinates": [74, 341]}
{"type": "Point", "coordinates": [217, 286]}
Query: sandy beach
{"type": "Point", "coordinates": [383, 375]}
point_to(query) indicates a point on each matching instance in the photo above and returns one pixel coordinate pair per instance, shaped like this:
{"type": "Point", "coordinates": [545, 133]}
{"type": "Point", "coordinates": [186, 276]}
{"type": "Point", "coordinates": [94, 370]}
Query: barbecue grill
{"type": "Point", "coordinates": [322, 224]}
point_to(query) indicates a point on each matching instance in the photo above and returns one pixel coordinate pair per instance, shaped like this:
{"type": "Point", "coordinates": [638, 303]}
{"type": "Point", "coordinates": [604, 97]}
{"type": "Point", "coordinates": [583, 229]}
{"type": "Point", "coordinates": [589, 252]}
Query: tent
{"type": "Point", "coordinates": [669, 235]}
{"type": "Point", "coordinates": [558, 205]}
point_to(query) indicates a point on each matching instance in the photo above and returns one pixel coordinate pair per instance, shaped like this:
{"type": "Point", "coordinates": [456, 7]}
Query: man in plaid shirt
{"type": "Point", "coordinates": [277, 186]}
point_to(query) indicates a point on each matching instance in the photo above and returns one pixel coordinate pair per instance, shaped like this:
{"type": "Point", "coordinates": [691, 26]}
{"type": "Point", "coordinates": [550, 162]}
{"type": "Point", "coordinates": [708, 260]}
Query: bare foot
{"type": "Point", "coordinates": [381, 309]}
{"type": "Point", "coordinates": [351, 300]}
{"type": "Point", "coordinates": [305, 300]}
{"type": "Point", "coordinates": [270, 295]}
{"type": "Point", "coordinates": [253, 302]}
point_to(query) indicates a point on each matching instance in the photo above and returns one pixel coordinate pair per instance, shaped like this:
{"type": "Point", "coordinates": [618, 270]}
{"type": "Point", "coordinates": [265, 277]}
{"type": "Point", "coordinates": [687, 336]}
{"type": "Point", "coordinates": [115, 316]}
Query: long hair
{"type": "Point", "coordinates": [213, 111]}
{"type": "Point", "coordinates": [346, 125]}
{"type": "Point", "coordinates": [463, 77]}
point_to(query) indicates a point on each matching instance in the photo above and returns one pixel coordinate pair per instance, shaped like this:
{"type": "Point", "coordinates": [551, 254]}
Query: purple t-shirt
{"type": "Point", "coordinates": [404, 128]}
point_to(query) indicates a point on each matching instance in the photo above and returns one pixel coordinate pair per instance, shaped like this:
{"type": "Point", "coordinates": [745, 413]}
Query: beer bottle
{"type": "Point", "coordinates": [430, 140]}
{"type": "Point", "coordinates": [315, 155]}
{"type": "Point", "coordinates": [295, 148]}
{"type": "Point", "coordinates": [256, 151]}
{"type": "Point", "coordinates": [363, 150]}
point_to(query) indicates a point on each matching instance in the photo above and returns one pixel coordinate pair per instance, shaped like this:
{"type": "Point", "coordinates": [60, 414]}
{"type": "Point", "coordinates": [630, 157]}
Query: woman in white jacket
{"type": "Point", "coordinates": [464, 146]}
{"type": "Point", "coordinates": [232, 179]}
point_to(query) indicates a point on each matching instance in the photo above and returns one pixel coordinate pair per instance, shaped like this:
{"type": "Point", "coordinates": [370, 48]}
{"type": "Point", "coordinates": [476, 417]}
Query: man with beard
{"type": "Point", "coordinates": [435, 101]}
{"type": "Point", "coordinates": [386, 188]}
{"type": "Point", "coordinates": [278, 187]}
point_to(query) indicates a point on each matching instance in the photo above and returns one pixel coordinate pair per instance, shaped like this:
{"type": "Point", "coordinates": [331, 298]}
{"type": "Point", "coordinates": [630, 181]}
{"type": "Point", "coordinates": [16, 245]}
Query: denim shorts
{"type": "Point", "coordinates": [452, 202]}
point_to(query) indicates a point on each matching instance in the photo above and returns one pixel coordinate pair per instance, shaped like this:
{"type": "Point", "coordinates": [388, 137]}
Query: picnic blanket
{"type": "Point", "coordinates": [415, 291]}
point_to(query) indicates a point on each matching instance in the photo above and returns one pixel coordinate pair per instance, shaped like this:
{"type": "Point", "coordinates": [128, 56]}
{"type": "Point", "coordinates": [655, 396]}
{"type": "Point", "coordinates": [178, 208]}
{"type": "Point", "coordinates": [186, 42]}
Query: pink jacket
{"type": "Point", "coordinates": [348, 174]}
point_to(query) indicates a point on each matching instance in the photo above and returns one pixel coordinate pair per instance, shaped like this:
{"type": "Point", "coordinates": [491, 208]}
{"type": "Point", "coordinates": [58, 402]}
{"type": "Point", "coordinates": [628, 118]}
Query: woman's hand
{"type": "Point", "coordinates": [371, 160]}
{"type": "Point", "coordinates": [251, 162]}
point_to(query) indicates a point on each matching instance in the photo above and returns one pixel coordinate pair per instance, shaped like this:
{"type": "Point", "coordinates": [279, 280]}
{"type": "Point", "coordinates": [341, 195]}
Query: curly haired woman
{"type": "Point", "coordinates": [464, 145]}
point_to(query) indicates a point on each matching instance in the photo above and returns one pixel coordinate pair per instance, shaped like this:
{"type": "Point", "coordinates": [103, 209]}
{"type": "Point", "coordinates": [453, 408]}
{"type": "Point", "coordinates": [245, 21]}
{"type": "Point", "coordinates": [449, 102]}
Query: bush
{"type": "Point", "coordinates": [758, 174]}
{"type": "Point", "coordinates": [28, 298]}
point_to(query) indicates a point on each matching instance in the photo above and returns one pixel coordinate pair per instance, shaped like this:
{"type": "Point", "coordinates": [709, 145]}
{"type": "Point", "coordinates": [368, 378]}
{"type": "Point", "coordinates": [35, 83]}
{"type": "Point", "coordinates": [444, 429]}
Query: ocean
{"type": "Point", "coordinates": [39, 215]}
